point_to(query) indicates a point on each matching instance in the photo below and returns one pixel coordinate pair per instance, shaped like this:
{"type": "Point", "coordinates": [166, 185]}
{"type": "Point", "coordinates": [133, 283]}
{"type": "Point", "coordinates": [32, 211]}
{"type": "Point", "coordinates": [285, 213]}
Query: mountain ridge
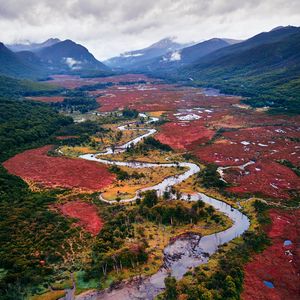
{"type": "Point", "coordinates": [15, 65]}
{"type": "Point", "coordinates": [185, 56]}
{"type": "Point", "coordinates": [131, 58]}
{"type": "Point", "coordinates": [265, 68]}
{"type": "Point", "coordinates": [60, 57]}
{"type": "Point", "coordinates": [17, 47]}
{"type": "Point", "coordinates": [69, 55]}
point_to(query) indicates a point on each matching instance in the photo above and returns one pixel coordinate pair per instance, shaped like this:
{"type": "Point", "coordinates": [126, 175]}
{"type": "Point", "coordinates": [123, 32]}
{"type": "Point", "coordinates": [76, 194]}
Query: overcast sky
{"type": "Point", "coordinates": [109, 27]}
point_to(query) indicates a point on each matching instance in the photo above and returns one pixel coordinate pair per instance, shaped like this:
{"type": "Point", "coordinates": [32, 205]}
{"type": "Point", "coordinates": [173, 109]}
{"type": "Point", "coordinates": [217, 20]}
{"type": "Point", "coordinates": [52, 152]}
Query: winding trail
{"type": "Point", "coordinates": [185, 252]}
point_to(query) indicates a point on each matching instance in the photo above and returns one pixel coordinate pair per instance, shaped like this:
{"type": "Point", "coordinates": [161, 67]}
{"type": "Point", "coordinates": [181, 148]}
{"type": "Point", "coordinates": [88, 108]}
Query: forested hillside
{"type": "Point", "coordinates": [265, 68]}
{"type": "Point", "coordinates": [23, 213]}
{"type": "Point", "coordinates": [13, 64]}
{"type": "Point", "coordinates": [60, 57]}
{"type": "Point", "coordinates": [16, 88]}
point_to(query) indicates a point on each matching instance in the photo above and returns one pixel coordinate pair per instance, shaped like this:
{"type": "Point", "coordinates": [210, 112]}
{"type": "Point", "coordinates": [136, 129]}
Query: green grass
{"type": "Point", "coordinates": [82, 285]}
{"type": "Point", "coordinates": [16, 88]}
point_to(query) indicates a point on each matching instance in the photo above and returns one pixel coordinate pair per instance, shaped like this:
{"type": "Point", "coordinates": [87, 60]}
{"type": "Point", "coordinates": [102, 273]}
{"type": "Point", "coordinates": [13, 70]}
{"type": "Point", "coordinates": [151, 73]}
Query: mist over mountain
{"type": "Point", "coordinates": [180, 57]}
{"type": "Point", "coordinates": [33, 46]}
{"type": "Point", "coordinates": [133, 58]}
{"type": "Point", "coordinates": [52, 56]}
{"type": "Point", "coordinates": [141, 134]}
{"type": "Point", "coordinates": [67, 55]}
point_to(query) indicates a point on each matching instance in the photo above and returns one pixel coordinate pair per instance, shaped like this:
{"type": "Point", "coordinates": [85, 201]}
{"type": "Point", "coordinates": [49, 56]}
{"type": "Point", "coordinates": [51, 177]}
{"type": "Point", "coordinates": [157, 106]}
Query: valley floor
{"type": "Point", "coordinates": [254, 156]}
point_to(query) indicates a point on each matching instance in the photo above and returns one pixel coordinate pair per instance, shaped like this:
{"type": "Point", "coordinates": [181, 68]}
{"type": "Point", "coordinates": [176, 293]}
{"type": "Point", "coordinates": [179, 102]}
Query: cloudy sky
{"type": "Point", "coordinates": [109, 27]}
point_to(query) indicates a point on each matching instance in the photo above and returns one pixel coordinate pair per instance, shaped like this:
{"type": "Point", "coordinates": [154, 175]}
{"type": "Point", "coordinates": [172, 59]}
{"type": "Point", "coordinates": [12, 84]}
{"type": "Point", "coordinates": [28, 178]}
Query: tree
{"type": "Point", "coordinates": [170, 291]}
{"type": "Point", "coordinates": [166, 195]}
{"type": "Point", "coordinates": [230, 291]}
{"type": "Point", "coordinates": [130, 113]}
{"type": "Point", "coordinates": [209, 177]}
{"type": "Point", "coordinates": [150, 198]}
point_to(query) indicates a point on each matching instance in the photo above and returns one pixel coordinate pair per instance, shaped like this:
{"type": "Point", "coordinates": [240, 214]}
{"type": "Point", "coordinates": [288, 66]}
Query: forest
{"type": "Point", "coordinates": [26, 224]}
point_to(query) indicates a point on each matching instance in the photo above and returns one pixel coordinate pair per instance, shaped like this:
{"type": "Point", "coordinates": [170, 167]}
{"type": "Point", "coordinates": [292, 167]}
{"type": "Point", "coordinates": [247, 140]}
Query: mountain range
{"type": "Point", "coordinates": [32, 46]}
{"type": "Point", "coordinates": [181, 57]}
{"type": "Point", "coordinates": [52, 56]}
{"type": "Point", "coordinates": [132, 59]}
{"type": "Point", "coordinates": [67, 55]}
{"type": "Point", "coordinates": [265, 68]}
{"type": "Point", "coordinates": [19, 64]}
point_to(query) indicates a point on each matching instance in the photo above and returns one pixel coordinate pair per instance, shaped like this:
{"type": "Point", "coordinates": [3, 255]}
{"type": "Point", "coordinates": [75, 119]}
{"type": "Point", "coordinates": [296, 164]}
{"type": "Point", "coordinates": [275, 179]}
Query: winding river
{"type": "Point", "coordinates": [185, 252]}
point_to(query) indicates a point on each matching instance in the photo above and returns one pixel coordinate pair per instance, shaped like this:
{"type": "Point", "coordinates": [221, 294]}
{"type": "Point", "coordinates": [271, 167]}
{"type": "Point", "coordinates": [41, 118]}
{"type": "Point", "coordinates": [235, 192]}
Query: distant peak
{"type": "Point", "coordinates": [3, 47]}
{"type": "Point", "coordinates": [53, 40]}
{"type": "Point", "coordinates": [281, 27]}
{"type": "Point", "coordinates": [231, 41]}
{"type": "Point", "coordinates": [164, 42]}
{"type": "Point", "coordinates": [215, 40]}
{"type": "Point", "coordinates": [68, 41]}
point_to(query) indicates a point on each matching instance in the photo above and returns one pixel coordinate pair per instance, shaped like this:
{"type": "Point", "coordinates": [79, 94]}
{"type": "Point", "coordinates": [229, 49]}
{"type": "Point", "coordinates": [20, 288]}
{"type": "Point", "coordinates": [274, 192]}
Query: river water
{"type": "Point", "coordinates": [186, 251]}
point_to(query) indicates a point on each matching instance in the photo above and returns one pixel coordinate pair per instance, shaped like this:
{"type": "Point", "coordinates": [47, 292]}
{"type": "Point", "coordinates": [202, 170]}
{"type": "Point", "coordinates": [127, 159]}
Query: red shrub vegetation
{"type": "Point", "coordinates": [184, 136]}
{"type": "Point", "coordinates": [266, 177]}
{"type": "Point", "coordinates": [263, 145]}
{"type": "Point", "coordinates": [278, 264]}
{"type": "Point", "coordinates": [74, 81]}
{"type": "Point", "coordinates": [159, 97]}
{"type": "Point", "coordinates": [36, 166]}
{"type": "Point", "coordinates": [256, 143]}
{"type": "Point", "coordinates": [66, 137]}
{"type": "Point", "coordinates": [86, 214]}
{"type": "Point", "coordinates": [48, 99]}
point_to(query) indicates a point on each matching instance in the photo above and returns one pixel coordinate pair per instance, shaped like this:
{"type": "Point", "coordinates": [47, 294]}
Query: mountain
{"type": "Point", "coordinates": [188, 55]}
{"type": "Point", "coordinates": [192, 53]}
{"type": "Point", "coordinates": [19, 65]}
{"type": "Point", "coordinates": [69, 56]}
{"type": "Point", "coordinates": [60, 57]}
{"type": "Point", "coordinates": [134, 58]}
{"type": "Point", "coordinates": [33, 46]}
{"type": "Point", "coordinates": [265, 67]}
{"type": "Point", "coordinates": [259, 39]}
{"type": "Point", "coordinates": [31, 58]}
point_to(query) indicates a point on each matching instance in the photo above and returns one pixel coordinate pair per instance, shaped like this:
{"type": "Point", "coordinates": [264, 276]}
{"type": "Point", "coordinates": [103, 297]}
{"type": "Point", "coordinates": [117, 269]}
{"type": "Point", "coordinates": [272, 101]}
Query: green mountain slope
{"type": "Point", "coordinates": [12, 64]}
{"type": "Point", "coordinates": [12, 88]}
{"type": "Point", "coordinates": [268, 72]}
{"type": "Point", "coordinates": [69, 56]}
{"type": "Point", "coordinates": [179, 58]}
{"type": "Point", "coordinates": [62, 57]}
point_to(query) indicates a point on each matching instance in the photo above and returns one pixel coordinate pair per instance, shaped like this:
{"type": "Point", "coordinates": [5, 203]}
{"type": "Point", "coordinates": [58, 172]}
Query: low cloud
{"type": "Point", "coordinates": [175, 56]}
{"type": "Point", "coordinates": [72, 63]}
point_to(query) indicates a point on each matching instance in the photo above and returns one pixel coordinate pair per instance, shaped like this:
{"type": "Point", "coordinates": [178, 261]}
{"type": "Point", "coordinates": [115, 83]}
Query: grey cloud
{"type": "Point", "coordinates": [108, 27]}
